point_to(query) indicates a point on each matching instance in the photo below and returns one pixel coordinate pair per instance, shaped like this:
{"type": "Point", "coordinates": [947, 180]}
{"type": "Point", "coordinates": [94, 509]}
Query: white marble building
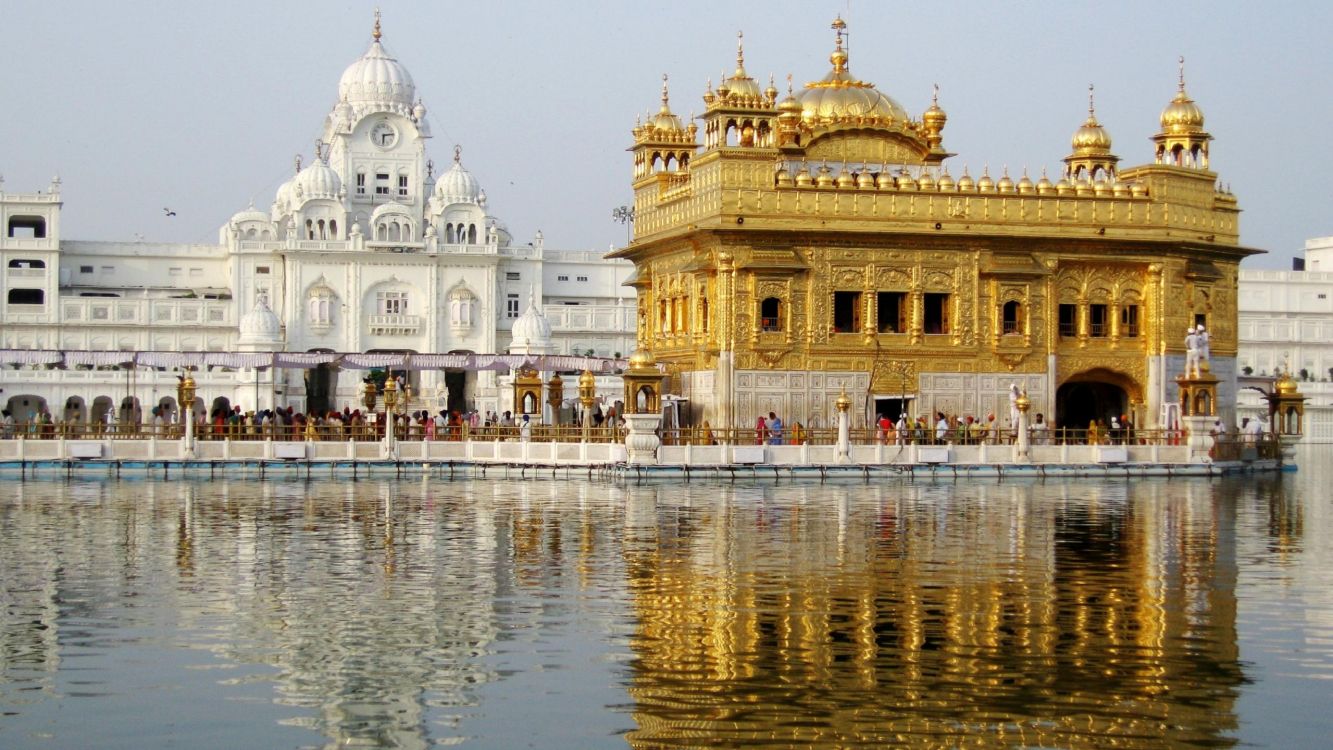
{"type": "Point", "coordinates": [365, 249]}
{"type": "Point", "coordinates": [1286, 320]}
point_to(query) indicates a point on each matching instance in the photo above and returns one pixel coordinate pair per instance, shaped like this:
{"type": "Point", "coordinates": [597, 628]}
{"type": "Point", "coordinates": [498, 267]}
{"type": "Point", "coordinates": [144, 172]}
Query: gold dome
{"type": "Point", "coordinates": [641, 359]}
{"type": "Point", "coordinates": [587, 380]}
{"type": "Point", "coordinates": [1285, 385]}
{"type": "Point", "coordinates": [946, 182]}
{"type": "Point", "coordinates": [740, 86]}
{"type": "Point", "coordinates": [1182, 115]}
{"type": "Point", "coordinates": [840, 97]}
{"type": "Point", "coordinates": [1091, 136]}
{"type": "Point", "coordinates": [665, 119]}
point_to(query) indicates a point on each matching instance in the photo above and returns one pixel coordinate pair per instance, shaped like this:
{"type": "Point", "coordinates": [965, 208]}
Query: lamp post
{"type": "Point", "coordinates": [1023, 439]}
{"type": "Point", "coordinates": [844, 405]}
{"type": "Point", "coordinates": [555, 395]}
{"type": "Point", "coordinates": [368, 395]}
{"type": "Point", "coordinates": [624, 215]}
{"type": "Point", "coordinates": [390, 404]}
{"type": "Point", "coordinates": [185, 394]}
{"type": "Point", "coordinates": [587, 392]}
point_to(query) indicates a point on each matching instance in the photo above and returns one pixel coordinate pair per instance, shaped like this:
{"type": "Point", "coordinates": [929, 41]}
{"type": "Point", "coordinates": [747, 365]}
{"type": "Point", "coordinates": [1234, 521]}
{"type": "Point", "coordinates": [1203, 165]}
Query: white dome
{"type": "Point", "coordinates": [260, 326]}
{"type": "Point", "coordinates": [458, 186]}
{"type": "Point", "coordinates": [532, 331]}
{"type": "Point", "coordinates": [316, 181]}
{"type": "Point", "coordinates": [377, 79]}
{"type": "Point", "coordinates": [249, 214]}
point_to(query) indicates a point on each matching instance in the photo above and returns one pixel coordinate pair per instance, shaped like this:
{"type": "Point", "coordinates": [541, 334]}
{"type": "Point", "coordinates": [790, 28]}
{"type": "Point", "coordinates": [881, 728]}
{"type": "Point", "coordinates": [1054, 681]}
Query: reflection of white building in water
{"type": "Point", "coordinates": [365, 249]}
{"type": "Point", "coordinates": [1286, 320]}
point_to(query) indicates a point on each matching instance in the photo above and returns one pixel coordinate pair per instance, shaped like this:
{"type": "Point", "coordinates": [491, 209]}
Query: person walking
{"type": "Point", "coordinates": [774, 429]}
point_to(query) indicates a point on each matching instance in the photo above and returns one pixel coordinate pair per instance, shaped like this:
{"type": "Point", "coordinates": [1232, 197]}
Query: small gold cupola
{"type": "Point", "coordinates": [1091, 158]}
{"type": "Point", "coordinates": [1182, 141]}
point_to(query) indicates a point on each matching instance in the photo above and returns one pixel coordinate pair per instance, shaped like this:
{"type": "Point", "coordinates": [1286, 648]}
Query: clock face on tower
{"type": "Point", "coordinates": [383, 135]}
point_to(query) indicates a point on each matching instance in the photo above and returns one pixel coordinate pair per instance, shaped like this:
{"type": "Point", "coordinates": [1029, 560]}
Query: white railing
{"type": "Point", "coordinates": [394, 325]}
{"type": "Point", "coordinates": [26, 273]}
{"type": "Point", "coordinates": [595, 318]}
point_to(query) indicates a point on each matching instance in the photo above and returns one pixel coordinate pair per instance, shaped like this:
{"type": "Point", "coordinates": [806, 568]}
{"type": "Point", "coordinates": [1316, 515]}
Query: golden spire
{"type": "Point", "coordinates": [665, 108]}
{"type": "Point", "coordinates": [1092, 107]}
{"type": "Point", "coordinates": [839, 56]}
{"type": "Point", "coordinates": [740, 54]}
{"type": "Point", "coordinates": [375, 33]}
{"type": "Point", "coordinates": [1181, 85]}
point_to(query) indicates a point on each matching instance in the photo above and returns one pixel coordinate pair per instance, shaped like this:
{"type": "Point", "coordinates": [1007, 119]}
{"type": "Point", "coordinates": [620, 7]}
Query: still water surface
{"type": "Point", "coordinates": [573, 614]}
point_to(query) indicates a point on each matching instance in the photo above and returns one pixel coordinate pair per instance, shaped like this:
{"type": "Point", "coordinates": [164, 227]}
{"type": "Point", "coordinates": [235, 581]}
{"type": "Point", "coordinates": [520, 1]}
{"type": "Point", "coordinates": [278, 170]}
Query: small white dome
{"type": "Point", "coordinates": [377, 79]}
{"type": "Point", "coordinates": [316, 181]}
{"type": "Point", "coordinates": [531, 331]}
{"type": "Point", "coordinates": [260, 326]}
{"type": "Point", "coordinates": [458, 186]}
{"type": "Point", "coordinates": [249, 214]}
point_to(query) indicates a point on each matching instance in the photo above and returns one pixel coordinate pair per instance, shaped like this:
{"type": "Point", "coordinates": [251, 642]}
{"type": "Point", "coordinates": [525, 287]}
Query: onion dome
{"type": "Point", "coordinates": [783, 177]}
{"type": "Point", "coordinates": [377, 79]}
{"type": "Point", "coordinates": [965, 183]}
{"type": "Point", "coordinates": [841, 97]}
{"type": "Point", "coordinates": [905, 181]}
{"type": "Point", "coordinates": [740, 87]}
{"type": "Point", "coordinates": [825, 178]}
{"type": "Point", "coordinates": [864, 179]}
{"type": "Point", "coordinates": [1138, 189]}
{"type": "Point", "coordinates": [531, 331]}
{"type": "Point", "coordinates": [642, 360]}
{"type": "Point", "coordinates": [709, 96]}
{"type": "Point", "coordinates": [665, 120]}
{"type": "Point", "coordinates": [946, 182]}
{"type": "Point", "coordinates": [317, 181]}
{"type": "Point", "coordinates": [249, 214]}
{"type": "Point", "coordinates": [1091, 136]}
{"type": "Point", "coordinates": [1286, 385]}
{"type": "Point", "coordinates": [1182, 115]}
{"type": "Point", "coordinates": [926, 182]}
{"type": "Point", "coordinates": [1064, 186]}
{"type": "Point", "coordinates": [984, 183]}
{"type": "Point", "coordinates": [884, 180]}
{"type": "Point", "coordinates": [260, 326]}
{"type": "Point", "coordinates": [1025, 186]}
{"type": "Point", "coordinates": [1044, 186]}
{"type": "Point", "coordinates": [1101, 187]}
{"type": "Point", "coordinates": [1083, 187]}
{"type": "Point", "coordinates": [1005, 185]}
{"type": "Point", "coordinates": [803, 178]}
{"type": "Point", "coordinates": [771, 93]}
{"type": "Point", "coordinates": [845, 179]}
{"type": "Point", "coordinates": [458, 185]}
{"type": "Point", "coordinates": [1120, 189]}
{"type": "Point", "coordinates": [934, 117]}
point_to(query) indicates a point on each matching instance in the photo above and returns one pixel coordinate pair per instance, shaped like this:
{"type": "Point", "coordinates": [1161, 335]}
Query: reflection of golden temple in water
{"type": "Point", "coordinates": [1065, 624]}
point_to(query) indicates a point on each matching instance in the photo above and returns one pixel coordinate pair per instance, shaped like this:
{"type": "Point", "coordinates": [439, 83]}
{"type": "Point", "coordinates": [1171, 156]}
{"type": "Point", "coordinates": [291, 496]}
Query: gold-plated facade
{"type": "Point", "coordinates": [821, 242]}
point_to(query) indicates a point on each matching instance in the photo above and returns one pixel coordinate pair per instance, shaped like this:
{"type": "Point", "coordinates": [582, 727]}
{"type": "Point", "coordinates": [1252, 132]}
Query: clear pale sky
{"type": "Point", "coordinates": [202, 107]}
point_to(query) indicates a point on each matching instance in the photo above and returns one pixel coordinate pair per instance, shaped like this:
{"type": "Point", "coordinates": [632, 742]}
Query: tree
{"type": "Point", "coordinates": [1247, 370]}
{"type": "Point", "coordinates": [1305, 374]}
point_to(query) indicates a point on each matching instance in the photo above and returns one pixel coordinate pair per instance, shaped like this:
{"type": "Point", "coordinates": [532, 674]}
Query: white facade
{"type": "Point", "coordinates": [1286, 320]}
{"type": "Point", "coordinates": [364, 249]}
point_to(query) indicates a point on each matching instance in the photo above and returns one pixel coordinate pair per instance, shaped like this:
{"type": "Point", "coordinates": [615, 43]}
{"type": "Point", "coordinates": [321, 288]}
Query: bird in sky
{"type": "Point", "coordinates": [168, 212]}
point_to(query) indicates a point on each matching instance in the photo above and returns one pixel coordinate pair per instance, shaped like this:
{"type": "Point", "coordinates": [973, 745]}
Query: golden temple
{"type": "Point", "coordinates": [820, 240]}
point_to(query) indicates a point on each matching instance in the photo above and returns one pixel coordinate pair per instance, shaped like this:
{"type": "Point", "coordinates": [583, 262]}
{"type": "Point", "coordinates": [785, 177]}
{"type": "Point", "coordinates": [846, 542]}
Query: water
{"type": "Point", "coordinates": [571, 614]}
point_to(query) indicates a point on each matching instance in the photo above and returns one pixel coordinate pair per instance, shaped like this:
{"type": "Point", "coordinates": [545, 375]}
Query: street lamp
{"type": "Point", "coordinates": [390, 404]}
{"type": "Point", "coordinates": [587, 392]}
{"type": "Point", "coordinates": [185, 395]}
{"type": "Point", "coordinates": [555, 395]}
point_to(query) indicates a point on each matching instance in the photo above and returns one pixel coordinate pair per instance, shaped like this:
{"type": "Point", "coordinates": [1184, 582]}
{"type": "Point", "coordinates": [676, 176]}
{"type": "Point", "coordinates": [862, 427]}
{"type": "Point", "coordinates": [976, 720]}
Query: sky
{"type": "Point", "coordinates": [202, 107]}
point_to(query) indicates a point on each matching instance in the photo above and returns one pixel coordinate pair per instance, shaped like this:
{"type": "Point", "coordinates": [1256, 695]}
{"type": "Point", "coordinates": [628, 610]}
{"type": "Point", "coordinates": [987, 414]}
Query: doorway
{"type": "Point", "coordinates": [1078, 404]}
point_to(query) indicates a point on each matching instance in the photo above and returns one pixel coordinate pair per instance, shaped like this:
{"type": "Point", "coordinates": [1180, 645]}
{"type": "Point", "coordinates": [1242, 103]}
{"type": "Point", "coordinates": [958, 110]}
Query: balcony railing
{"type": "Point", "coordinates": [394, 325]}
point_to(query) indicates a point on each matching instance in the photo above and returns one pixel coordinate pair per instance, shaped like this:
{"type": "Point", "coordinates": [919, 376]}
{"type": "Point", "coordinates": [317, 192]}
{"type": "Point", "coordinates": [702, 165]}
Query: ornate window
{"type": "Point", "coordinates": [319, 308]}
{"type": "Point", "coordinates": [391, 303]}
{"type": "Point", "coordinates": [1011, 318]}
{"type": "Point", "coordinates": [462, 308]}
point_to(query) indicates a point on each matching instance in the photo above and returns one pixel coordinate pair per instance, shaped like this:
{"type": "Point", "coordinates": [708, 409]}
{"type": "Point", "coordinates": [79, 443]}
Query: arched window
{"type": "Point", "coordinates": [770, 314]}
{"type": "Point", "coordinates": [30, 227]}
{"type": "Point", "coordinates": [309, 229]}
{"type": "Point", "coordinates": [333, 229]}
{"type": "Point", "coordinates": [25, 263]}
{"type": "Point", "coordinates": [471, 234]}
{"type": "Point", "coordinates": [320, 308]}
{"type": "Point", "coordinates": [1011, 319]}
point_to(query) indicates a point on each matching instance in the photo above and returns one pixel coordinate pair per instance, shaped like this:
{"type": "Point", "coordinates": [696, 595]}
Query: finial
{"type": "Point", "coordinates": [935, 97]}
{"type": "Point", "coordinates": [298, 163]}
{"type": "Point", "coordinates": [789, 93]}
{"type": "Point", "coordinates": [664, 92]}
{"type": "Point", "coordinates": [458, 154]}
{"type": "Point", "coordinates": [1091, 104]}
{"type": "Point", "coordinates": [1182, 74]}
{"type": "Point", "coordinates": [740, 52]}
{"type": "Point", "coordinates": [430, 168]}
{"type": "Point", "coordinates": [839, 26]}
{"type": "Point", "coordinates": [319, 149]}
{"type": "Point", "coordinates": [375, 33]}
